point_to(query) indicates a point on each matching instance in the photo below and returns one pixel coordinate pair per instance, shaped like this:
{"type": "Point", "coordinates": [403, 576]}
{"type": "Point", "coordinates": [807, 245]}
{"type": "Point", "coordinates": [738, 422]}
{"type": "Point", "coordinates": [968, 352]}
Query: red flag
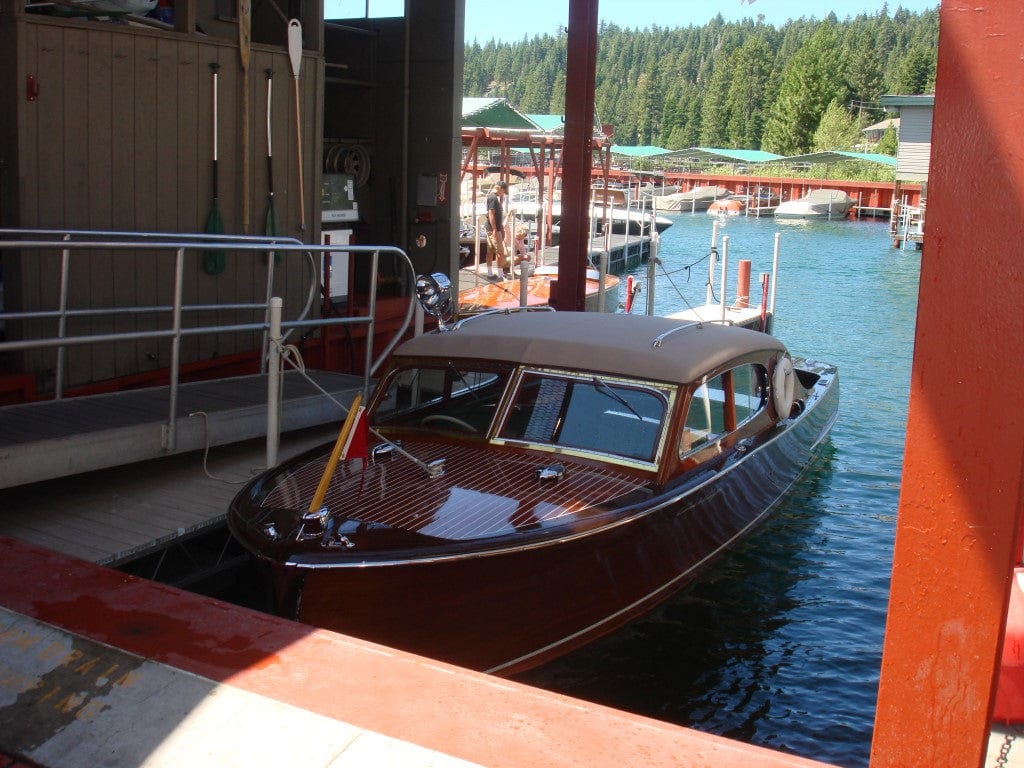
{"type": "Point", "coordinates": [355, 445]}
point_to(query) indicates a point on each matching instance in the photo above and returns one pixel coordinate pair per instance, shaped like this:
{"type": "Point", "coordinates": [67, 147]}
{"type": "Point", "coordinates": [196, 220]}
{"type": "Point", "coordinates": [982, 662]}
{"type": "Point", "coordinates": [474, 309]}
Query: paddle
{"type": "Point", "coordinates": [214, 260]}
{"type": "Point", "coordinates": [244, 55]}
{"type": "Point", "coordinates": [295, 55]}
{"type": "Point", "coordinates": [273, 225]}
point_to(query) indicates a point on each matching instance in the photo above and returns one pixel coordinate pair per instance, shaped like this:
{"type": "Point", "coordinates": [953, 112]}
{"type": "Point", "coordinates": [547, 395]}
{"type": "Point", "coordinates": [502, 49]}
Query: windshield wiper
{"type": "Point", "coordinates": [602, 387]}
{"type": "Point", "coordinates": [460, 377]}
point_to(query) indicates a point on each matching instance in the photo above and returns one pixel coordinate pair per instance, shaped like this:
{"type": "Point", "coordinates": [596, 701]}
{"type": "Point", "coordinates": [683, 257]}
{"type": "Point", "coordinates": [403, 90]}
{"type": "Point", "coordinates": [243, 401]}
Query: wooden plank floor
{"type": "Point", "coordinates": [112, 515]}
{"type": "Point", "coordinates": [49, 439]}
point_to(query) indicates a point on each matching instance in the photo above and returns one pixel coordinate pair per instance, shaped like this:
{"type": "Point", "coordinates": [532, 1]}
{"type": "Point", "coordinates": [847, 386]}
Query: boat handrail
{"type": "Point", "coordinates": [502, 311]}
{"type": "Point", "coordinates": [179, 244]}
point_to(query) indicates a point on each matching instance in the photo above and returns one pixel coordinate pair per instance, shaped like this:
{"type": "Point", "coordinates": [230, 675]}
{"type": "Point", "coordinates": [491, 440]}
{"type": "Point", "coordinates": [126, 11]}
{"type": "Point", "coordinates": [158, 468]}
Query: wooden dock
{"type": "Point", "coordinates": [89, 477]}
{"type": "Point", "coordinates": [55, 438]}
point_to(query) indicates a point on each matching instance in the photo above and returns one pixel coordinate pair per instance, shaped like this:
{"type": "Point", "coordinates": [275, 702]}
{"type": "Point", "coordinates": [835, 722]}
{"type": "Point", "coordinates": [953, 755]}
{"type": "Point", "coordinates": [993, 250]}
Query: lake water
{"type": "Point", "coordinates": [779, 644]}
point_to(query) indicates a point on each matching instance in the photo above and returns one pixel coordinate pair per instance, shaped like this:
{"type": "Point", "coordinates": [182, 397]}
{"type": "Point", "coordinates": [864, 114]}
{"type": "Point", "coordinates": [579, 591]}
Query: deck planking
{"type": "Point", "coordinates": [113, 515]}
{"type": "Point", "coordinates": [44, 440]}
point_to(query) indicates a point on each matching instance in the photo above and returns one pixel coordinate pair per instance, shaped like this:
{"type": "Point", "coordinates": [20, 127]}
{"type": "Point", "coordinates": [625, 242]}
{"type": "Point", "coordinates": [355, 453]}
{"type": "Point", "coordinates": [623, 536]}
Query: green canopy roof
{"type": "Point", "coordinates": [645, 151]}
{"type": "Point", "coordinates": [728, 155]}
{"type": "Point", "coordinates": [839, 157]}
{"type": "Point", "coordinates": [548, 123]}
{"type": "Point", "coordinates": [494, 113]}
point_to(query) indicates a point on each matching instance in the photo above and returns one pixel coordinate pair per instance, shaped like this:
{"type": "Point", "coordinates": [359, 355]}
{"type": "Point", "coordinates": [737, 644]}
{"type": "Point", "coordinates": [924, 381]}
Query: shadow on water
{"type": "Point", "coordinates": [728, 655]}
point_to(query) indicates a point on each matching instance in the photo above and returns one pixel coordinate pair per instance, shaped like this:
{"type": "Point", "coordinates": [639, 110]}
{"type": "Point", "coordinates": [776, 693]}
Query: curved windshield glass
{"type": "Point", "coordinates": [448, 397]}
{"type": "Point", "coordinates": [588, 413]}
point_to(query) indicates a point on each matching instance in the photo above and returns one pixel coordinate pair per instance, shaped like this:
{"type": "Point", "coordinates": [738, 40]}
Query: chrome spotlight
{"type": "Point", "coordinates": [435, 296]}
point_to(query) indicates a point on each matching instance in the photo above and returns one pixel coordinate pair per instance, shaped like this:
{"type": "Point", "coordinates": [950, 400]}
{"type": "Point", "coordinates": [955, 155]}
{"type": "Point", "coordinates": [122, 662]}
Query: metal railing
{"type": "Point", "coordinates": [68, 242]}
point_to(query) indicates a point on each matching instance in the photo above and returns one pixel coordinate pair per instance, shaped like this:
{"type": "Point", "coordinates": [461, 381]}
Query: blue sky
{"type": "Point", "coordinates": [510, 21]}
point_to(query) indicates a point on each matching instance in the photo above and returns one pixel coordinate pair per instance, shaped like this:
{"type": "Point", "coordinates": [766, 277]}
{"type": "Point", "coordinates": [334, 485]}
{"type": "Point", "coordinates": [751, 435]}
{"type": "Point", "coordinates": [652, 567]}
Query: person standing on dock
{"type": "Point", "coordinates": [496, 227]}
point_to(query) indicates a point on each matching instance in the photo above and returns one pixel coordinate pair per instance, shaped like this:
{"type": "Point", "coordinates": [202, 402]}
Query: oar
{"type": "Point", "coordinates": [214, 260]}
{"type": "Point", "coordinates": [273, 225]}
{"type": "Point", "coordinates": [244, 55]}
{"type": "Point", "coordinates": [295, 54]}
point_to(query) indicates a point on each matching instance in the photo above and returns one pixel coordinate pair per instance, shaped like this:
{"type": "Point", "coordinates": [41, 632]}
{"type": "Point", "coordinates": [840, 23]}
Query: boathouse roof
{"type": "Point", "coordinates": [494, 113]}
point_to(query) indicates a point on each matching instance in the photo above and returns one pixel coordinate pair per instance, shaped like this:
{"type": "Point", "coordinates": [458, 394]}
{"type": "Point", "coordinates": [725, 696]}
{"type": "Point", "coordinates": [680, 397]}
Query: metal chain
{"type": "Point", "coordinates": [1003, 759]}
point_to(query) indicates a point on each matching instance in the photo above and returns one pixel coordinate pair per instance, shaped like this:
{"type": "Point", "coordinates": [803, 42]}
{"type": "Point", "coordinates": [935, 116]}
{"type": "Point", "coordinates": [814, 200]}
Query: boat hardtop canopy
{"type": "Point", "coordinates": [641, 346]}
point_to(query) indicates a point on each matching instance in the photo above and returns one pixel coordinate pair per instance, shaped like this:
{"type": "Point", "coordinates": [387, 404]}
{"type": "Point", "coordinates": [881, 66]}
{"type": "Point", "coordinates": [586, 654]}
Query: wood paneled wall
{"type": "Point", "coordinates": [121, 137]}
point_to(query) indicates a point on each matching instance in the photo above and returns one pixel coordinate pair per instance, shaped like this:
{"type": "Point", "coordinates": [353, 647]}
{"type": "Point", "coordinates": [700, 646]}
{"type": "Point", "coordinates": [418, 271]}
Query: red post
{"type": "Point", "coordinates": [743, 284]}
{"type": "Point", "coordinates": [574, 230]}
{"type": "Point", "coordinates": [961, 495]}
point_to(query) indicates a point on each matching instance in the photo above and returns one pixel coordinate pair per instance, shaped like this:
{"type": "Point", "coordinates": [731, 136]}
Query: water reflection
{"type": "Point", "coordinates": [758, 649]}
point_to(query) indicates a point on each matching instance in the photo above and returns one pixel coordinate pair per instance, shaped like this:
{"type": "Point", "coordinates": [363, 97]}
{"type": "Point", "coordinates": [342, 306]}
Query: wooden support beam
{"type": "Point", "coordinates": [574, 229]}
{"type": "Point", "coordinates": [963, 473]}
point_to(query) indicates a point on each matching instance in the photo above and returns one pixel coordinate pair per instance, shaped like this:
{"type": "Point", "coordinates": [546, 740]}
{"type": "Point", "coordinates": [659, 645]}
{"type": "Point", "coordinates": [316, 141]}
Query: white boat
{"type": "Point", "coordinates": [817, 204]}
{"type": "Point", "coordinates": [623, 220]}
{"type": "Point", "coordinates": [696, 199]}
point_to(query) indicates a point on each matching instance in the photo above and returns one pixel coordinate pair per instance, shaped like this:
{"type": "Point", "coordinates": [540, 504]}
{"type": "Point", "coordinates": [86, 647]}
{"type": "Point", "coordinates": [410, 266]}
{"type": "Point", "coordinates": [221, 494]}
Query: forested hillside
{"type": "Point", "coordinates": [744, 85]}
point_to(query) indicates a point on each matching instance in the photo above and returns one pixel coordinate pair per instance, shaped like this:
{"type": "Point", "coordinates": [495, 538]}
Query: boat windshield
{"type": "Point", "coordinates": [588, 413]}
{"type": "Point", "coordinates": [449, 396]}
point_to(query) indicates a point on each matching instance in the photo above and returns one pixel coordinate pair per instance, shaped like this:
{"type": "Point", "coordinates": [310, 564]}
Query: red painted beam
{"type": "Point", "coordinates": [961, 496]}
{"type": "Point", "coordinates": [574, 227]}
{"type": "Point", "coordinates": [468, 715]}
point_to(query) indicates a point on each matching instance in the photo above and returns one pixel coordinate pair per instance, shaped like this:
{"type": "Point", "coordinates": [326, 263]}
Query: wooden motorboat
{"type": "Point", "coordinates": [536, 479]}
{"type": "Point", "coordinates": [505, 293]}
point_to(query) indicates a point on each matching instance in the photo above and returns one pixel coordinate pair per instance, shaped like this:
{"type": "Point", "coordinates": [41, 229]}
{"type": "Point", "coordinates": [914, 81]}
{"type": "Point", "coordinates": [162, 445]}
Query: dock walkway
{"type": "Point", "coordinates": [56, 438]}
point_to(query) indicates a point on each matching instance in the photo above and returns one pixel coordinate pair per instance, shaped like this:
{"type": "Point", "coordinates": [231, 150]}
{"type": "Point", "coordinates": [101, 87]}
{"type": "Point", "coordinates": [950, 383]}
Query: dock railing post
{"type": "Point", "coordinates": [725, 271]}
{"type": "Point", "coordinates": [524, 285]}
{"type": "Point", "coordinates": [62, 325]}
{"type": "Point", "coordinates": [274, 382]}
{"type": "Point", "coordinates": [652, 268]}
{"type": "Point", "coordinates": [602, 270]}
{"type": "Point", "coordinates": [170, 430]}
{"type": "Point", "coordinates": [712, 256]}
{"type": "Point", "coordinates": [775, 271]}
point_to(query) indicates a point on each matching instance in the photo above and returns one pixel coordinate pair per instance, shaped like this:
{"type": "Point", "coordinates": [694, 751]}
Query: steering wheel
{"type": "Point", "coordinates": [445, 419]}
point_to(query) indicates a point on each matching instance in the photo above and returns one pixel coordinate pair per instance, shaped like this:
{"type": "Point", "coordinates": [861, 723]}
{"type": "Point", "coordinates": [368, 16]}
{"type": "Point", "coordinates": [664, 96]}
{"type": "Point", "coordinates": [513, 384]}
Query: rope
{"type": "Point", "coordinates": [206, 453]}
{"type": "Point", "coordinates": [687, 268]}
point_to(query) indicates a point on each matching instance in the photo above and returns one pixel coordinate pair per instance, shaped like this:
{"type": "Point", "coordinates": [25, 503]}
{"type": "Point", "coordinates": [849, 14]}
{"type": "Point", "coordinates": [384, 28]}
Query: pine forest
{"type": "Point", "coordinates": [807, 85]}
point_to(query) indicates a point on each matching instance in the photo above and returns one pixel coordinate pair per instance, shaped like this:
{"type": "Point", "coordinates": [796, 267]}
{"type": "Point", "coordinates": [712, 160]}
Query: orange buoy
{"type": "Point", "coordinates": [630, 293]}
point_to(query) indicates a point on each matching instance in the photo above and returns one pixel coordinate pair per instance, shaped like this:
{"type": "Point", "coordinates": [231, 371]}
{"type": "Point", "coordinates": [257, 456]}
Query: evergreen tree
{"type": "Point", "coordinates": [915, 72]}
{"type": "Point", "coordinates": [747, 94]}
{"type": "Point", "coordinates": [809, 83]}
{"type": "Point", "coordinates": [838, 130]}
{"type": "Point", "coordinates": [889, 143]}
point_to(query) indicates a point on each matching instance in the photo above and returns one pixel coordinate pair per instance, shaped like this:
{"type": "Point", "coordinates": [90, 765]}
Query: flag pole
{"type": "Point", "coordinates": [340, 445]}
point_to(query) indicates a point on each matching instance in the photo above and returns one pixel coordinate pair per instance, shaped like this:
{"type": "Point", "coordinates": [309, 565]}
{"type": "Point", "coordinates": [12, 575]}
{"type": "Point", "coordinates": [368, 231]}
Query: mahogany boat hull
{"type": "Point", "coordinates": [509, 610]}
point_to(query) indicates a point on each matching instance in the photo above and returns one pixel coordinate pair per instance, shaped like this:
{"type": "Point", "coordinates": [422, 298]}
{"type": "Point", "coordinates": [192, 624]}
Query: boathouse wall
{"type": "Point", "coordinates": [915, 145]}
{"type": "Point", "coordinates": [116, 133]}
{"type": "Point", "coordinates": [120, 137]}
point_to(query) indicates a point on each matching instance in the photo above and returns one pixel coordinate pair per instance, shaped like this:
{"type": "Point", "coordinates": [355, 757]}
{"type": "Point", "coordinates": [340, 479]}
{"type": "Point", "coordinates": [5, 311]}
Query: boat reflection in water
{"type": "Point", "coordinates": [537, 479]}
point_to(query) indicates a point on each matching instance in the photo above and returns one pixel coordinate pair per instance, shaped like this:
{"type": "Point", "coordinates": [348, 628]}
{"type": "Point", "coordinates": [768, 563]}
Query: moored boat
{"type": "Point", "coordinates": [535, 480]}
{"type": "Point", "coordinates": [817, 204]}
{"type": "Point", "coordinates": [730, 206]}
{"type": "Point", "coordinates": [697, 199]}
{"type": "Point", "coordinates": [506, 293]}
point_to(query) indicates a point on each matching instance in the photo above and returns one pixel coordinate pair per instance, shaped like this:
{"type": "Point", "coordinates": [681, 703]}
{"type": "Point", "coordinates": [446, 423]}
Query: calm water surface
{"type": "Point", "coordinates": [780, 643]}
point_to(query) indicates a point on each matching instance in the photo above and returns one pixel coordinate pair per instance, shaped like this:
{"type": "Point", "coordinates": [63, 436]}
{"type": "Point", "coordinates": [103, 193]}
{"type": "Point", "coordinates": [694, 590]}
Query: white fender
{"type": "Point", "coordinates": [783, 386]}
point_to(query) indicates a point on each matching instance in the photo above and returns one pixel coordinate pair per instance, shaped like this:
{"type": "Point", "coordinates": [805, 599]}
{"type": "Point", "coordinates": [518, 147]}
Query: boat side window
{"type": "Point", "coordinates": [462, 396]}
{"type": "Point", "coordinates": [721, 405]}
{"type": "Point", "coordinates": [588, 413]}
